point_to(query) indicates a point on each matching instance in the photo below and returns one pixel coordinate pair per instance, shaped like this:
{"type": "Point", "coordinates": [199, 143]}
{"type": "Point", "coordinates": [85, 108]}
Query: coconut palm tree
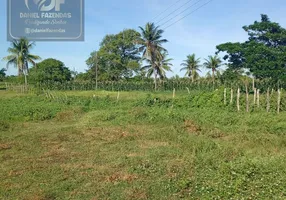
{"type": "Point", "coordinates": [150, 43]}
{"type": "Point", "coordinates": [213, 63]}
{"type": "Point", "coordinates": [160, 67]}
{"type": "Point", "coordinates": [20, 56]}
{"type": "Point", "coordinates": [191, 65]}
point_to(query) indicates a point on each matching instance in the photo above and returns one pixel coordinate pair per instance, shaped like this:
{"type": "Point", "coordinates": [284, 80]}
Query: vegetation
{"type": "Point", "coordinates": [86, 145]}
{"type": "Point", "coordinates": [130, 57]}
{"type": "Point", "coordinates": [83, 136]}
{"type": "Point", "coordinates": [161, 65]}
{"type": "Point", "coordinates": [2, 74]}
{"type": "Point", "coordinates": [213, 63]}
{"type": "Point", "coordinates": [151, 45]}
{"type": "Point", "coordinates": [50, 70]}
{"type": "Point", "coordinates": [20, 56]}
{"type": "Point", "coordinates": [191, 66]}
{"type": "Point", "coordinates": [263, 55]}
{"type": "Point", "coordinates": [117, 58]}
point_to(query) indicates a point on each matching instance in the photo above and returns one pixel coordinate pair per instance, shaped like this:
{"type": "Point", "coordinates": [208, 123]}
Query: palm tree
{"type": "Point", "coordinates": [213, 63]}
{"type": "Point", "coordinates": [191, 65]}
{"type": "Point", "coordinates": [151, 45]}
{"type": "Point", "coordinates": [160, 67]}
{"type": "Point", "coordinates": [20, 56]}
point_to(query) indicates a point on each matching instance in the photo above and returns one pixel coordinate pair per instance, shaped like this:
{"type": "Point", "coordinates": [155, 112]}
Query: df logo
{"type": "Point", "coordinates": [42, 4]}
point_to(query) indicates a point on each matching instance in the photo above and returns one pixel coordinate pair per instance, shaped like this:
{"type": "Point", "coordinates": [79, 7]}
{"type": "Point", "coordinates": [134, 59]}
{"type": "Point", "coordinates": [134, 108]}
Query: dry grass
{"type": "Point", "coordinates": [192, 127]}
{"type": "Point", "coordinates": [5, 146]}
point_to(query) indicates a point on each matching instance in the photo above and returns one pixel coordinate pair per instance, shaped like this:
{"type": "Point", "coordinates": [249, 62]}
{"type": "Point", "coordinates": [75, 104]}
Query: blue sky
{"type": "Point", "coordinates": [218, 22]}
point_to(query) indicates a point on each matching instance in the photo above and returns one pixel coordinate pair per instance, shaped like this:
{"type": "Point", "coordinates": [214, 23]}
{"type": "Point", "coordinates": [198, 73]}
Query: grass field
{"type": "Point", "coordinates": [101, 145]}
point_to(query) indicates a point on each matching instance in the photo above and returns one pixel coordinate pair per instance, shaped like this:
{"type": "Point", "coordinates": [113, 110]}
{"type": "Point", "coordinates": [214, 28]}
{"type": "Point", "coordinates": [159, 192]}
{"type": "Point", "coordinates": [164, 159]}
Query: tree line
{"type": "Point", "coordinates": [140, 56]}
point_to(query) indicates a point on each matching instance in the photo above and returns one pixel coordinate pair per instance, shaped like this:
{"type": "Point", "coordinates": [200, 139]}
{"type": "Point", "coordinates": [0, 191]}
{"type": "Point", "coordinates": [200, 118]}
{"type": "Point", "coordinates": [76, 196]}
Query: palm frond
{"type": "Point", "coordinates": [184, 68]}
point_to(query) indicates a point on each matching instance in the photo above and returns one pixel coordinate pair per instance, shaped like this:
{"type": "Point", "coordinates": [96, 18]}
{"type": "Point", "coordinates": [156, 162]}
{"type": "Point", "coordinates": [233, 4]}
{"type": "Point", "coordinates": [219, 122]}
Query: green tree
{"type": "Point", "coordinates": [213, 63]}
{"type": "Point", "coordinates": [117, 58]}
{"type": "Point", "coordinates": [93, 64]}
{"type": "Point", "coordinates": [191, 65]}
{"type": "Point", "coordinates": [151, 45]}
{"type": "Point", "coordinates": [234, 56]}
{"type": "Point", "coordinates": [50, 70]}
{"type": "Point", "coordinates": [231, 75]}
{"type": "Point", "coordinates": [160, 67]}
{"type": "Point", "coordinates": [2, 74]}
{"type": "Point", "coordinates": [20, 56]}
{"type": "Point", "coordinates": [263, 54]}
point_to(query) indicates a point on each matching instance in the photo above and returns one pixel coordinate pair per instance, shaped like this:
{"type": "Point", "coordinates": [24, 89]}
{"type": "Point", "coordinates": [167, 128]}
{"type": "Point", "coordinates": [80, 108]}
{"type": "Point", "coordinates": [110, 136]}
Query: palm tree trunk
{"type": "Point", "coordinates": [20, 72]}
{"type": "Point", "coordinates": [213, 75]}
{"type": "Point", "coordinates": [25, 73]}
{"type": "Point", "coordinates": [26, 81]}
{"type": "Point", "coordinates": [193, 77]}
{"type": "Point", "coordinates": [155, 81]}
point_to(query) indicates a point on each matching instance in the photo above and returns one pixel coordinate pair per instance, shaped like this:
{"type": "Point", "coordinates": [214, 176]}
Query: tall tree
{"type": "Point", "coordinates": [191, 65]}
{"type": "Point", "coordinates": [263, 54]}
{"type": "Point", "coordinates": [160, 67]}
{"type": "Point", "coordinates": [213, 63]}
{"type": "Point", "coordinates": [93, 64]}
{"type": "Point", "coordinates": [118, 56]}
{"type": "Point", "coordinates": [20, 56]}
{"type": "Point", "coordinates": [151, 45]}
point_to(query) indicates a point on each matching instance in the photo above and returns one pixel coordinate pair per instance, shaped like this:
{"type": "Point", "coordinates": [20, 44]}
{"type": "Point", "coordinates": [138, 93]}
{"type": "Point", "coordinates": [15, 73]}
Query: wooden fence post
{"type": "Point", "coordinates": [247, 98]}
{"type": "Point", "coordinates": [258, 98]}
{"type": "Point", "coordinates": [188, 90]}
{"type": "Point", "coordinates": [118, 96]}
{"type": "Point", "coordinates": [238, 98]}
{"type": "Point", "coordinates": [253, 83]}
{"type": "Point", "coordinates": [268, 100]}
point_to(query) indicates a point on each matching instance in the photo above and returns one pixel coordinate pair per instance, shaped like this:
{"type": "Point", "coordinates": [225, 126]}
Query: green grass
{"type": "Point", "coordinates": [87, 145]}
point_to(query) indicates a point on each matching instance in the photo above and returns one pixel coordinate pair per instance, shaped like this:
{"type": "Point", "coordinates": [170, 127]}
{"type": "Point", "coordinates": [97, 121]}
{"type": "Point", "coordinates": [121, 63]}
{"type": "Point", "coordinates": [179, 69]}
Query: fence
{"type": "Point", "coordinates": [243, 98]}
{"type": "Point", "coordinates": [271, 100]}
